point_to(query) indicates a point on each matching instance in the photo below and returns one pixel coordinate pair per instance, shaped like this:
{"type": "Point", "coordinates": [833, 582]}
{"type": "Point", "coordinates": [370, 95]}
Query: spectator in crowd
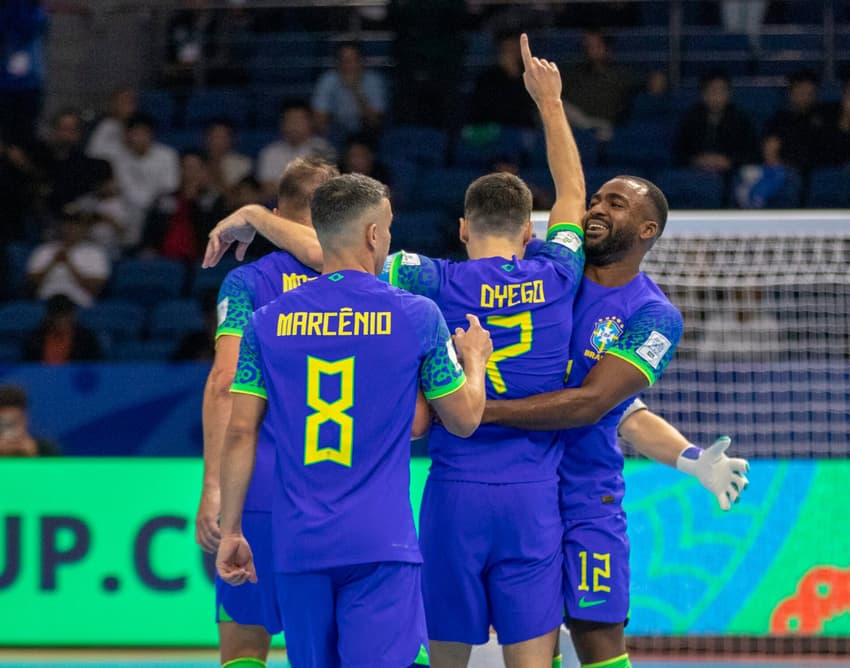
{"type": "Point", "coordinates": [360, 157]}
{"type": "Point", "coordinates": [744, 16]}
{"type": "Point", "coordinates": [349, 99]}
{"type": "Point", "coordinates": [19, 189]}
{"type": "Point", "coordinates": [598, 91]}
{"type": "Point", "coordinates": [542, 195]}
{"type": "Point", "coordinates": [70, 266]}
{"type": "Point", "coordinates": [835, 138]}
{"type": "Point", "coordinates": [758, 185]}
{"type": "Point", "coordinates": [226, 166]}
{"type": "Point", "coordinates": [23, 24]}
{"type": "Point", "coordinates": [108, 135]}
{"type": "Point", "coordinates": [798, 126]}
{"type": "Point", "coordinates": [179, 226]}
{"type": "Point", "coordinates": [145, 170]}
{"type": "Point", "coordinates": [714, 135]}
{"type": "Point", "coordinates": [15, 437]}
{"type": "Point", "coordinates": [297, 140]}
{"type": "Point", "coordinates": [68, 171]}
{"type": "Point", "coordinates": [499, 95]}
{"type": "Point", "coordinates": [60, 339]}
{"type": "Point", "coordinates": [103, 210]}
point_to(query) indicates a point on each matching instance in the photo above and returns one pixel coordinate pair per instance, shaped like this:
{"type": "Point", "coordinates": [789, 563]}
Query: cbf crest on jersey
{"type": "Point", "coordinates": [606, 332]}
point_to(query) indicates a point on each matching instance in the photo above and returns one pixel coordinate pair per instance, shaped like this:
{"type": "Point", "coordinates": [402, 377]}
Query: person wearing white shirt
{"type": "Point", "coordinates": [108, 134]}
{"type": "Point", "coordinates": [69, 266]}
{"type": "Point", "coordinates": [145, 170]}
{"type": "Point", "coordinates": [227, 167]}
{"type": "Point", "coordinates": [297, 141]}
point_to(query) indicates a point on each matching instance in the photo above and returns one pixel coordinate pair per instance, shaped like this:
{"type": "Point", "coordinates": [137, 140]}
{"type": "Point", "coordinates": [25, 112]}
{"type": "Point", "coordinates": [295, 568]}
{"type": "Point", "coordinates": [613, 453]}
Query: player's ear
{"type": "Point", "coordinates": [372, 235]}
{"type": "Point", "coordinates": [463, 230]}
{"type": "Point", "coordinates": [649, 230]}
{"type": "Point", "coordinates": [527, 232]}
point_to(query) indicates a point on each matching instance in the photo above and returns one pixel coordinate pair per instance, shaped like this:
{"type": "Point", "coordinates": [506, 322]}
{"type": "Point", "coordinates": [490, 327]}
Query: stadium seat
{"type": "Point", "coordinates": [160, 105]}
{"type": "Point", "coordinates": [586, 142]}
{"type": "Point", "coordinates": [117, 319]}
{"type": "Point", "coordinates": [171, 319]}
{"type": "Point", "coordinates": [646, 107]}
{"type": "Point", "coordinates": [251, 142]}
{"type": "Point", "coordinates": [191, 139]}
{"type": "Point", "coordinates": [147, 281]}
{"type": "Point", "coordinates": [474, 149]}
{"type": "Point", "coordinates": [10, 353]}
{"type": "Point", "coordinates": [421, 145]}
{"type": "Point", "coordinates": [155, 350]}
{"type": "Point", "coordinates": [268, 101]}
{"type": "Point", "coordinates": [266, 69]}
{"type": "Point", "coordinates": [642, 144]}
{"type": "Point", "coordinates": [402, 180]}
{"type": "Point", "coordinates": [716, 41]}
{"type": "Point", "coordinates": [14, 273]}
{"type": "Point", "coordinates": [425, 232]}
{"type": "Point", "coordinates": [444, 188]}
{"type": "Point", "coordinates": [204, 281]}
{"type": "Point", "coordinates": [205, 105]}
{"type": "Point", "coordinates": [18, 318]}
{"type": "Point", "coordinates": [829, 188]}
{"type": "Point", "coordinates": [691, 188]}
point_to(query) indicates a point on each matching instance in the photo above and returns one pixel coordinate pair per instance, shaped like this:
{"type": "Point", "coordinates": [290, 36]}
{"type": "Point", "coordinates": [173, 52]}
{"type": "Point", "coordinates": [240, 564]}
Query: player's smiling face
{"type": "Point", "coordinates": [611, 223]}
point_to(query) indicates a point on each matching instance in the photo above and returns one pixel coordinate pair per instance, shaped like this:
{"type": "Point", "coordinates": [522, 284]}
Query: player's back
{"type": "Point", "coordinates": [526, 304]}
{"type": "Point", "coordinates": [245, 289]}
{"type": "Point", "coordinates": [637, 323]}
{"type": "Point", "coordinates": [341, 359]}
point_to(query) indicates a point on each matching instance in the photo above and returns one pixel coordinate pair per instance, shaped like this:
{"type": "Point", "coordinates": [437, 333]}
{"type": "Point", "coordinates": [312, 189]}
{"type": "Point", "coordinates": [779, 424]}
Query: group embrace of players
{"type": "Point", "coordinates": [315, 393]}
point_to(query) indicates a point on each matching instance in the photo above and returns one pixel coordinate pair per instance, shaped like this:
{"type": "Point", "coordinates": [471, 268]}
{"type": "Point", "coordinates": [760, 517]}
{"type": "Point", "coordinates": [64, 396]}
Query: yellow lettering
{"type": "Point", "coordinates": [361, 323]}
{"type": "Point", "coordinates": [326, 317]}
{"type": "Point", "coordinates": [284, 324]}
{"type": "Point", "coordinates": [314, 324]}
{"type": "Point", "coordinates": [486, 296]}
{"type": "Point", "coordinates": [384, 322]}
{"type": "Point", "coordinates": [299, 323]}
{"type": "Point", "coordinates": [345, 316]}
{"type": "Point", "coordinates": [539, 297]}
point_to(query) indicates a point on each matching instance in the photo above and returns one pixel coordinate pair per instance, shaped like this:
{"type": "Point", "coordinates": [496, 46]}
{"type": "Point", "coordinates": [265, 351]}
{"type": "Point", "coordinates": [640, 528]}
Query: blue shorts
{"type": "Point", "coordinates": [596, 569]}
{"type": "Point", "coordinates": [492, 555]}
{"type": "Point", "coordinates": [252, 604]}
{"type": "Point", "coordinates": [363, 616]}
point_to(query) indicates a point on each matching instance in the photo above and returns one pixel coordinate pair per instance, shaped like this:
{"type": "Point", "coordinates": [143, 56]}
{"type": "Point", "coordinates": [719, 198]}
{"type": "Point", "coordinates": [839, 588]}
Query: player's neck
{"type": "Point", "coordinates": [347, 261]}
{"type": "Point", "coordinates": [482, 246]}
{"type": "Point", "coordinates": [612, 275]}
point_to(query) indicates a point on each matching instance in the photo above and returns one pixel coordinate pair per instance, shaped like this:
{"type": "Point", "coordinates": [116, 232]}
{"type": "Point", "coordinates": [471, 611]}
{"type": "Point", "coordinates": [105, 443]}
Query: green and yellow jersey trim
{"type": "Point", "coordinates": [446, 390]}
{"type": "Point", "coordinates": [635, 362]}
{"type": "Point", "coordinates": [564, 227]}
{"type": "Point", "coordinates": [227, 331]}
{"type": "Point", "coordinates": [237, 388]}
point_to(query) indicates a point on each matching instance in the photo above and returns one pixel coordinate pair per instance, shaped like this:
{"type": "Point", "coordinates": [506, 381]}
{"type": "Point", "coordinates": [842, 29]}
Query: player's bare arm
{"type": "Point", "coordinates": [543, 82]}
{"type": "Point", "coordinates": [461, 411]}
{"type": "Point", "coordinates": [611, 381]}
{"type": "Point", "coordinates": [241, 226]}
{"type": "Point", "coordinates": [215, 414]}
{"type": "Point", "coordinates": [657, 439]}
{"type": "Point", "coordinates": [235, 562]}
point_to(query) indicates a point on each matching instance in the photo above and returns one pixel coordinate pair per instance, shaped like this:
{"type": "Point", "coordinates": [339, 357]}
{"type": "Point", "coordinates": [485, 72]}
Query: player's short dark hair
{"type": "Point", "coordinates": [342, 200]}
{"type": "Point", "coordinates": [498, 204]}
{"type": "Point", "coordinates": [655, 201]}
{"type": "Point", "coordinates": [67, 111]}
{"type": "Point", "coordinates": [220, 120]}
{"type": "Point", "coordinates": [301, 178]}
{"type": "Point", "coordinates": [13, 396]}
{"type": "Point", "coordinates": [294, 105]}
{"type": "Point", "coordinates": [348, 44]}
{"type": "Point", "coordinates": [807, 75]}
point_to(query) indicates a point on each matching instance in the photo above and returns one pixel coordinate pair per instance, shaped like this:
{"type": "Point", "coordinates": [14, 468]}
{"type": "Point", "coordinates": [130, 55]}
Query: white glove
{"type": "Point", "coordinates": [720, 475]}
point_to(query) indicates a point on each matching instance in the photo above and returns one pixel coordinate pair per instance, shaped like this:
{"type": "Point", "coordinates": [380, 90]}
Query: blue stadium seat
{"type": "Point", "coordinates": [642, 144]}
{"type": "Point", "coordinates": [716, 41]}
{"type": "Point", "coordinates": [205, 105]}
{"type": "Point", "coordinates": [790, 40]}
{"type": "Point", "coordinates": [829, 188]}
{"type": "Point", "coordinates": [443, 188]}
{"type": "Point", "coordinates": [507, 143]}
{"type": "Point", "coordinates": [424, 232]}
{"type": "Point", "coordinates": [209, 280]}
{"type": "Point", "coordinates": [159, 104]}
{"type": "Point", "coordinates": [758, 102]}
{"type": "Point", "coordinates": [171, 319]}
{"type": "Point", "coordinates": [251, 142]}
{"type": "Point", "coordinates": [691, 188]}
{"type": "Point", "coordinates": [154, 349]}
{"type": "Point", "coordinates": [14, 273]}
{"type": "Point", "coordinates": [263, 68]}
{"type": "Point", "coordinates": [556, 45]}
{"type": "Point", "coordinates": [10, 353]}
{"type": "Point", "coordinates": [636, 40]}
{"type": "Point", "coordinates": [18, 318]}
{"type": "Point", "coordinates": [594, 177]}
{"type": "Point", "coordinates": [646, 107]}
{"type": "Point", "coordinates": [147, 280]}
{"type": "Point", "coordinates": [402, 181]}
{"type": "Point", "coordinates": [117, 319]}
{"type": "Point", "coordinates": [181, 140]}
{"type": "Point", "coordinates": [785, 64]}
{"type": "Point", "coordinates": [421, 145]}
{"type": "Point", "coordinates": [285, 45]}
{"type": "Point", "coordinates": [268, 101]}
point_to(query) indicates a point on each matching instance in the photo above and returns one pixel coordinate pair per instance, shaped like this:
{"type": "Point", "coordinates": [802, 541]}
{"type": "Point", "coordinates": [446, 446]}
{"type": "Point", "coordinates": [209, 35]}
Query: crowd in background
{"type": "Point", "coordinates": [80, 196]}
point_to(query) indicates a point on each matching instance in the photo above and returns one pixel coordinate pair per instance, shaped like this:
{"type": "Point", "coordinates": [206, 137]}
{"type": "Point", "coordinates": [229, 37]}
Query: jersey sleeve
{"type": "Point", "coordinates": [415, 273]}
{"type": "Point", "coordinates": [235, 303]}
{"type": "Point", "coordinates": [440, 373]}
{"type": "Point", "coordinates": [649, 339]}
{"type": "Point", "coordinates": [564, 247]}
{"type": "Point", "coordinates": [249, 371]}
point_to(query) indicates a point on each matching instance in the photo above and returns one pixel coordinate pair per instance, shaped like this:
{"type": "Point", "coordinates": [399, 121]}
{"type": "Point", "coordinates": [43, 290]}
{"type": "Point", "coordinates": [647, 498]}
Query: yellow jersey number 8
{"type": "Point", "coordinates": [329, 412]}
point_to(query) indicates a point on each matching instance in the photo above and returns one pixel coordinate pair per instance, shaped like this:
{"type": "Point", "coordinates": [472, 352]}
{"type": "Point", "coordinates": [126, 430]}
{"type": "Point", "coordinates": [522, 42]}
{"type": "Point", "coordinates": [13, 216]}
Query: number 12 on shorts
{"type": "Point", "coordinates": [599, 572]}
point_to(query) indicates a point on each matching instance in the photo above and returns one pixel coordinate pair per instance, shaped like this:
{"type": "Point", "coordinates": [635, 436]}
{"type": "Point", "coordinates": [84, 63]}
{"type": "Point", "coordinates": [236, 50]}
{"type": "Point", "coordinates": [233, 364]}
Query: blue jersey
{"type": "Point", "coordinates": [526, 304]}
{"type": "Point", "coordinates": [243, 291]}
{"type": "Point", "coordinates": [637, 323]}
{"type": "Point", "coordinates": [340, 361]}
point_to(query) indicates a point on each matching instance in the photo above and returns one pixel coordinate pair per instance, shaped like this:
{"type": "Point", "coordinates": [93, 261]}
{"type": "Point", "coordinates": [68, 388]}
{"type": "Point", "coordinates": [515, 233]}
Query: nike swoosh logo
{"type": "Point", "coordinates": [589, 604]}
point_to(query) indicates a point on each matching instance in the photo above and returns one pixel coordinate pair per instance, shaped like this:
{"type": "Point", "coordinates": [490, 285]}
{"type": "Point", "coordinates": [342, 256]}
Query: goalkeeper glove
{"type": "Point", "coordinates": [720, 475]}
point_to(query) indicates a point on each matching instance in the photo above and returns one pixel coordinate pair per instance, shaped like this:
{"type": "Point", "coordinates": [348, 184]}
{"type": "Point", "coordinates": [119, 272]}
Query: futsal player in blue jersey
{"type": "Point", "coordinates": [334, 367]}
{"type": "Point", "coordinates": [248, 615]}
{"type": "Point", "coordinates": [489, 526]}
{"type": "Point", "coordinates": [624, 335]}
